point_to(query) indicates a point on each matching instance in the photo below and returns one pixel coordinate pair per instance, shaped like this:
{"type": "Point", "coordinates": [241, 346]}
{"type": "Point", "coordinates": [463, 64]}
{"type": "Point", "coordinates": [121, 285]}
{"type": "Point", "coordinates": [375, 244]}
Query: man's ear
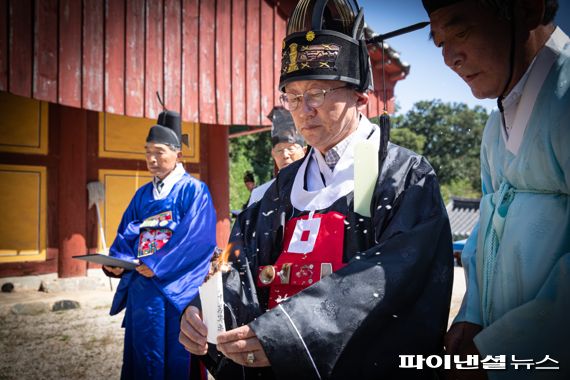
{"type": "Point", "coordinates": [361, 99]}
{"type": "Point", "coordinates": [179, 155]}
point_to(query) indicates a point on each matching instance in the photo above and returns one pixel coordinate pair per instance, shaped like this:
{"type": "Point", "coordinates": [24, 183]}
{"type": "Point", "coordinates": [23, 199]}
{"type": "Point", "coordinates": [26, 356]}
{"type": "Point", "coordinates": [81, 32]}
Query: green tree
{"type": "Point", "coordinates": [248, 153]}
{"type": "Point", "coordinates": [452, 134]}
{"type": "Point", "coordinates": [403, 136]}
{"type": "Point", "coordinates": [408, 139]}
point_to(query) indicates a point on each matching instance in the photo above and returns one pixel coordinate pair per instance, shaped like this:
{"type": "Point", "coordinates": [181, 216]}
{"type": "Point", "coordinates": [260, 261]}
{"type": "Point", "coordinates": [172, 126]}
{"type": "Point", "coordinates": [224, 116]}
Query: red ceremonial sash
{"type": "Point", "coordinates": [312, 249]}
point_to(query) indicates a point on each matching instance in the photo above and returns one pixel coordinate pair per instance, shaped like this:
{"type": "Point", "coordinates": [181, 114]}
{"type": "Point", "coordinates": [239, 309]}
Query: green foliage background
{"type": "Point", "coordinates": [249, 153]}
{"type": "Point", "coordinates": [452, 135]}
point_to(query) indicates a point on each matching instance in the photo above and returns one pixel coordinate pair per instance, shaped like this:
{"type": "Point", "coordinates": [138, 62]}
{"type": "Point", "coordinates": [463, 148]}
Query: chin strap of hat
{"type": "Point", "coordinates": [511, 65]}
{"type": "Point", "coordinates": [384, 120]}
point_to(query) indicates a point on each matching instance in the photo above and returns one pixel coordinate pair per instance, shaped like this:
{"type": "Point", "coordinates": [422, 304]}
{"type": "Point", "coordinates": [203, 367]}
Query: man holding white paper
{"type": "Point", "coordinates": [346, 261]}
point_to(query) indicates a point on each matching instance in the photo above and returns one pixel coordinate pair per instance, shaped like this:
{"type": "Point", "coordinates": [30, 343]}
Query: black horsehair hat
{"type": "Point", "coordinates": [168, 130]}
{"type": "Point", "coordinates": [325, 41]}
{"type": "Point", "coordinates": [433, 5]}
{"type": "Point", "coordinates": [283, 127]}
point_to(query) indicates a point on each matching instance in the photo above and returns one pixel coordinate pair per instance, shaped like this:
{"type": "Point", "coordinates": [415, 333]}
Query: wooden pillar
{"type": "Point", "coordinates": [72, 192]}
{"type": "Point", "coordinates": [218, 178]}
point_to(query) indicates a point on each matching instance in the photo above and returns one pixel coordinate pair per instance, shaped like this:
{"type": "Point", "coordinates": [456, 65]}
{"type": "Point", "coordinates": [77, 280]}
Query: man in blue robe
{"type": "Point", "coordinates": [169, 226]}
{"type": "Point", "coordinates": [517, 262]}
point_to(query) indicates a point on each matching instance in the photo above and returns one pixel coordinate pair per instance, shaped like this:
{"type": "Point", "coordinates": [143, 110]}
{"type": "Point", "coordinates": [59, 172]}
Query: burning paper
{"type": "Point", "coordinates": [212, 298]}
{"type": "Point", "coordinates": [212, 295]}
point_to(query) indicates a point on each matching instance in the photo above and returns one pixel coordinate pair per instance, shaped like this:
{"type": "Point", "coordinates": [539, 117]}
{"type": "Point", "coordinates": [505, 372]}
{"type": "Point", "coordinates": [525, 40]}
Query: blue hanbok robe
{"type": "Point", "coordinates": [154, 305]}
{"type": "Point", "coordinates": [517, 262]}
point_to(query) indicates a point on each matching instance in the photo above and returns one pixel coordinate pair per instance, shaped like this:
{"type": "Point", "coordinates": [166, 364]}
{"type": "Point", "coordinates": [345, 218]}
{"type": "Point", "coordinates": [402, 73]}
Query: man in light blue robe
{"type": "Point", "coordinates": [517, 261]}
{"type": "Point", "coordinates": [169, 226]}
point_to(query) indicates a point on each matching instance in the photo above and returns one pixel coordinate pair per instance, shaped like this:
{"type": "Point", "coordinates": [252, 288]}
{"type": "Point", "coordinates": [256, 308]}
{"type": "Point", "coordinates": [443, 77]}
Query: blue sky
{"type": "Point", "coordinates": [429, 78]}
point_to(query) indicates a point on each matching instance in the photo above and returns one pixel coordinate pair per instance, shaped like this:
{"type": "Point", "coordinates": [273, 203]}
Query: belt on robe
{"type": "Point", "coordinates": [293, 274]}
{"type": "Point", "coordinates": [501, 200]}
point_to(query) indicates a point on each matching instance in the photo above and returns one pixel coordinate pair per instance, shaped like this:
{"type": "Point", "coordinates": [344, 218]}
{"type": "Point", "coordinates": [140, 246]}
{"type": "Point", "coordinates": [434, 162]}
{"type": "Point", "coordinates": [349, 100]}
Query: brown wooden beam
{"type": "Point", "coordinates": [217, 161]}
{"type": "Point", "coordinates": [72, 192]}
{"type": "Point", "coordinates": [249, 132]}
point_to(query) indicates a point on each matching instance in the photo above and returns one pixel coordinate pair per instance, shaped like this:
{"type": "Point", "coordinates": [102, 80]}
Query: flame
{"type": "Point", "coordinates": [220, 263]}
{"type": "Point", "coordinates": [220, 260]}
{"type": "Point", "coordinates": [224, 256]}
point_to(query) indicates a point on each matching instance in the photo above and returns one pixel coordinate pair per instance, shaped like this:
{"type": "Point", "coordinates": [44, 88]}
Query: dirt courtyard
{"type": "Point", "coordinates": [72, 344]}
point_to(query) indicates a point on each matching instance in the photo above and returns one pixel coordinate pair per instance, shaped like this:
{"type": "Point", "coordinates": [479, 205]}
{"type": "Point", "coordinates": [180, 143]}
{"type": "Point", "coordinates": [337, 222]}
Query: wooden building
{"type": "Point", "coordinates": [78, 83]}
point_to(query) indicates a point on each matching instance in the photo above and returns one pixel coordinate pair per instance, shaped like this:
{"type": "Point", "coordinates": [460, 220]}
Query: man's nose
{"type": "Point", "coordinates": [453, 57]}
{"type": "Point", "coordinates": [305, 107]}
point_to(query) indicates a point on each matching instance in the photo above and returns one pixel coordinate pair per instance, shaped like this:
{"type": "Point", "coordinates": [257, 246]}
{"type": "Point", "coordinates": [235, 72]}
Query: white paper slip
{"type": "Point", "coordinates": [365, 176]}
{"type": "Point", "coordinates": [212, 299]}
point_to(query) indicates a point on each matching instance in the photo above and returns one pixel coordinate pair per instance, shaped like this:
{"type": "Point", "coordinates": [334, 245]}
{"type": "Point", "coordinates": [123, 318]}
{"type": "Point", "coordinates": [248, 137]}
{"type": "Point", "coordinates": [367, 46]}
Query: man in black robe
{"type": "Point", "coordinates": [324, 287]}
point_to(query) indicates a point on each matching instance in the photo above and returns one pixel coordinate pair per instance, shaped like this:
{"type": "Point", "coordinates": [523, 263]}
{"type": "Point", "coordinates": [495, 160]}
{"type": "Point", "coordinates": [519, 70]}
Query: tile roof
{"type": "Point", "coordinates": [463, 215]}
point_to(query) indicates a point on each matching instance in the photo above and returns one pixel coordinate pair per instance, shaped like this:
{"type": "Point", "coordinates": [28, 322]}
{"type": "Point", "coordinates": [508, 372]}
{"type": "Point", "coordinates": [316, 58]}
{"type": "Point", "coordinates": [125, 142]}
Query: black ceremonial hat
{"type": "Point", "coordinates": [325, 41]}
{"type": "Point", "coordinates": [167, 130]}
{"type": "Point", "coordinates": [283, 127]}
{"type": "Point", "coordinates": [433, 5]}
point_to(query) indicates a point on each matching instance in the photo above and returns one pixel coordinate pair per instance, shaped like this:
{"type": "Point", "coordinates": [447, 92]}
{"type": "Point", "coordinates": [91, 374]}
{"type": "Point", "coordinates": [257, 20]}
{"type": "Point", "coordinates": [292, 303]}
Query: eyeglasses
{"type": "Point", "coordinates": [292, 149]}
{"type": "Point", "coordinates": [314, 98]}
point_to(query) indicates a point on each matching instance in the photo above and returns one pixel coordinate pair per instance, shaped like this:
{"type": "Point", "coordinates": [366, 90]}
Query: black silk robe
{"type": "Point", "coordinates": [392, 298]}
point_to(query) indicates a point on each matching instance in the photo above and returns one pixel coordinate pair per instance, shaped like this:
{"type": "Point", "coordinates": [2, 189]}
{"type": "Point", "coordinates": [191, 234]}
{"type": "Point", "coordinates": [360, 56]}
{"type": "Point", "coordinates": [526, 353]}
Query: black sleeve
{"type": "Point", "coordinates": [240, 299]}
{"type": "Point", "coordinates": [391, 299]}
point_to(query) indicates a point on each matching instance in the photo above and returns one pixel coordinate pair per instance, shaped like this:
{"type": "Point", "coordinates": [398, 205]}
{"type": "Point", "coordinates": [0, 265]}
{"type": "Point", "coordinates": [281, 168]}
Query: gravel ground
{"type": "Point", "coordinates": [71, 344]}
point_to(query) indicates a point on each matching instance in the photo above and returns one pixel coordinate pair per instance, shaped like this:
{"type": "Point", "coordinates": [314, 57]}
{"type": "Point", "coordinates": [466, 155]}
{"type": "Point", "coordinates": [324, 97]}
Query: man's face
{"type": "Point", "coordinates": [327, 125]}
{"type": "Point", "coordinates": [475, 44]}
{"type": "Point", "coordinates": [286, 153]}
{"type": "Point", "coordinates": [249, 185]}
{"type": "Point", "coordinates": [160, 159]}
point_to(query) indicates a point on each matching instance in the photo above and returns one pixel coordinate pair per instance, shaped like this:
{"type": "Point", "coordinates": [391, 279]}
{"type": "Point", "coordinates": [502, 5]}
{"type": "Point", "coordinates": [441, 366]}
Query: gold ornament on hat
{"type": "Point", "coordinates": [292, 58]}
{"type": "Point", "coordinates": [310, 35]}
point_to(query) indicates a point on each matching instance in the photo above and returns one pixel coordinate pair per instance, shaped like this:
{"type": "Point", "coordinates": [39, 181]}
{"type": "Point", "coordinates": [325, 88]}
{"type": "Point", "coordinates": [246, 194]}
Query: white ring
{"type": "Point", "coordinates": [250, 358]}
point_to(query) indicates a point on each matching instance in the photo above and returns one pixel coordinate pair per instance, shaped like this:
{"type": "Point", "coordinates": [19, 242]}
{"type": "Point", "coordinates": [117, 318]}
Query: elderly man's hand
{"type": "Point", "coordinates": [145, 271]}
{"type": "Point", "coordinates": [459, 341]}
{"type": "Point", "coordinates": [193, 332]}
{"type": "Point", "coordinates": [117, 271]}
{"type": "Point", "coordinates": [242, 346]}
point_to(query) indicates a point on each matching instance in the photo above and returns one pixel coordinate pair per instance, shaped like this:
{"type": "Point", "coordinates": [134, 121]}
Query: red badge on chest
{"type": "Point", "coordinates": [312, 249]}
{"type": "Point", "coordinates": [152, 238]}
